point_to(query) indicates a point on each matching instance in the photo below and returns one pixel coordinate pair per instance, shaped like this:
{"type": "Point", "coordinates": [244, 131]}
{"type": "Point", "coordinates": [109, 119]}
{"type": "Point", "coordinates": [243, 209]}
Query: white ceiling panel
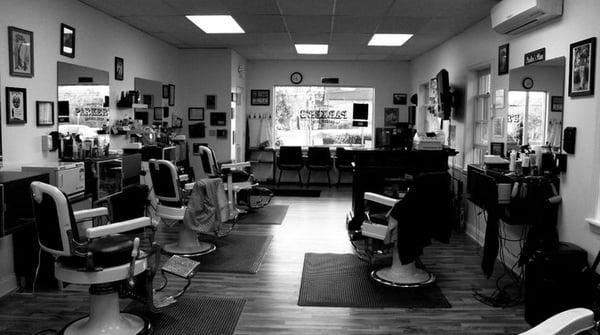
{"type": "Point", "coordinates": [350, 39]}
{"type": "Point", "coordinates": [261, 23]}
{"type": "Point", "coordinates": [198, 7]}
{"type": "Point", "coordinates": [363, 7]}
{"type": "Point", "coordinates": [356, 24]}
{"type": "Point", "coordinates": [304, 38]}
{"type": "Point", "coordinates": [401, 25]}
{"type": "Point", "coordinates": [258, 7]}
{"type": "Point", "coordinates": [306, 7]}
{"type": "Point", "coordinates": [308, 24]}
{"type": "Point", "coordinates": [173, 23]}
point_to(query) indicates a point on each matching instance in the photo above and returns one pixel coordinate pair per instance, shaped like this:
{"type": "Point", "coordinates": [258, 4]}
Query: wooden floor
{"type": "Point", "coordinates": [311, 225]}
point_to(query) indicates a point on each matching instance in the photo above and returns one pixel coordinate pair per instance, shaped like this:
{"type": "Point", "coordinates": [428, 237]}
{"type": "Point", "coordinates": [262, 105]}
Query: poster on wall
{"type": "Point", "coordinates": [85, 104]}
{"type": "Point", "coordinates": [392, 116]}
{"type": "Point", "coordinates": [582, 68]}
{"type": "Point", "coordinates": [16, 105]}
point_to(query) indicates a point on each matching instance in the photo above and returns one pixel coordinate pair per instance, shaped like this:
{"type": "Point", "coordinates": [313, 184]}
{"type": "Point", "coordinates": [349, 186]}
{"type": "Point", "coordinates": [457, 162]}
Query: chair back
{"type": "Point", "coordinates": [342, 157]}
{"type": "Point", "coordinates": [54, 220]}
{"type": "Point", "coordinates": [209, 161]}
{"type": "Point", "coordinates": [290, 155]}
{"type": "Point", "coordinates": [319, 156]}
{"type": "Point", "coordinates": [165, 182]}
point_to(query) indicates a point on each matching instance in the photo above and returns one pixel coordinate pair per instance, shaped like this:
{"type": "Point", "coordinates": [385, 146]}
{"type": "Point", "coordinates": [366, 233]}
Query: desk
{"type": "Point", "coordinates": [373, 166]}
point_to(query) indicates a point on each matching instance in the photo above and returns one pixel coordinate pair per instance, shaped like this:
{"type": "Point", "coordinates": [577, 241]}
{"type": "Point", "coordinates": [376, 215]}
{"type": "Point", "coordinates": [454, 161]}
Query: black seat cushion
{"type": "Point", "coordinates": [108, 251]}
{"type": "Point", "coordinates": [379, 218]}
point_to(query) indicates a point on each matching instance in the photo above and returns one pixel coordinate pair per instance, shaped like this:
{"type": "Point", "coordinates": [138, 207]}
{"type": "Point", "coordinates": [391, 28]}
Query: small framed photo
{"type": "Point", "coordinates": [158, 113]}
{"type": "Point", "coordinates": [44, 113]}
{"type": "Point", "coordinates": [196, 113]}
{"type": "Point", "coordinates": [177, 122]}
{"type": "Point", "coordinates": [171, 95]}
{"type": "Point", "coordinates": [165, 91]}
{"type": "Point", "coordinates": [165, 112]}
{"type": "Point", "coordinates": [556, 103]}
{"type": "Point", "coordinates": [218, 119]}
{"type": "Point", "coordinates": [221, 133]}
{"type": "Point", "coordinates": [20, 49]}
{"type": "Point", "coordinates": [211, 102]}
{"type": "Point", "coordinates": [16, 105]}
{"type": "Point", "coordinates": [119, 68]}
{"type": "Point", "coordinates": [498, 127]}
{"type": "Point", "coordinates": [497, 149]}
{"type": "Point", "coordinates": [392, 116]}
{"type": "Point", "coordinates": [400, 98]}
{"type": "Point", "coordinates": [260, 97]}
{"type": "Point", "coordinates": [582, 67]}
{"type": "Point", "coordinates": [67, 40]}
{"type": "Point", "coordinates": [503, 59]}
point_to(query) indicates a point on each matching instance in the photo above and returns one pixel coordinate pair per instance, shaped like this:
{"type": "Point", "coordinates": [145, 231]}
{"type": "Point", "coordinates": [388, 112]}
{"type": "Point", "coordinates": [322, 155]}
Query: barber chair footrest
{"type": "Point", "coordinates": [181, 267]}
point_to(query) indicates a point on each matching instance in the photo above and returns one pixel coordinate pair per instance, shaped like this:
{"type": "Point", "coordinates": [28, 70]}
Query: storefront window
{"type": "Point", "coordinates": [319, 115]}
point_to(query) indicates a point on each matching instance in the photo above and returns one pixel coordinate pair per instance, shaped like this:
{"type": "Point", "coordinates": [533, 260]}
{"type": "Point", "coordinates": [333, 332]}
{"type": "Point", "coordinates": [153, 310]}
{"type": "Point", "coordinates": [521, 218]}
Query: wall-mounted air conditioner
{"type": "Point", "coordinates": [516, 16]}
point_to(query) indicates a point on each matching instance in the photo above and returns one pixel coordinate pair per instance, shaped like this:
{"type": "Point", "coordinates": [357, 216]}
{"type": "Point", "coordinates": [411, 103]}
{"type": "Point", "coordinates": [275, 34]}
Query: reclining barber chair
{"type": "Point", "coordinates": [172, 208]}
{"type": "Point", "coordinates": [103, 257]}
{"type": "Point", "coordinates": [240, 186]}
{"type": "Point", "coordinates": [419, 215]}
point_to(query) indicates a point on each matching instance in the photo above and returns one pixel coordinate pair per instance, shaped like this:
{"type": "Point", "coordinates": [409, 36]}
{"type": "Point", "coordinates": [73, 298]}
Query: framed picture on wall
{"type": "Point", "coordinates": [67, 40]}
{"type": "Point", "coordinates": [165, 91]}
{"type": "Point", "coordinates": [503, 59]}
{"type": "Point", "coordinates": [196, 113]}
{"type": "Point", "coordinates": [44, 113]}
{"type": "Point", "coordinates": [197, 130]}
{"type": "Point", "coordinates": [399, 98]}
{"type": "Point", "coordinates": [218, 119]}
{"type": "Point", "coordinates": [582, 67]}
{"type": "Point", "coordinates": [211, 102]}
{"type": "Point", "coordinates": [171, 95]}
{"type": "Point", "coordinates": [556, 103]}
{"type": "Point", "coordinates": [497, 148]}
{"type": "Point", "coordinates": [158, 113]}
{"type": "Point", "coordinates": [222, 133]}
{"type": "Point", "coordinates": [20, 49]}
{"type": "Point", "coordinates": [498, 127]}
{"type": "Point", "coordinates": [16, 105]}
{"type": "Point", "coordinates": [260, 97]}
{"type": "Point", "coordinates": [119, 68]}
{"type": "Point", "coordinates": [391, 117]}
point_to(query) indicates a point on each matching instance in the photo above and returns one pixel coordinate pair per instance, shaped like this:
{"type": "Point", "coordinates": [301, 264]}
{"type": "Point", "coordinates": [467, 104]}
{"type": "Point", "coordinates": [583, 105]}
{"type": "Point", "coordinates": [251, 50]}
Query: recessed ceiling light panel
{"type": "Point", "coordinates": [216, 24]}
{"type": "Point", "coordinates": [390, 40]}
{"type": "Point", "coordinates": [312, 49]}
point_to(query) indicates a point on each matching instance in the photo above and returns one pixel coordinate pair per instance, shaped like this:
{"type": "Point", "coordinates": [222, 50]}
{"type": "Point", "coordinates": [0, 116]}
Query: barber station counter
{"type": "Point", "coordinates": [372, 168]}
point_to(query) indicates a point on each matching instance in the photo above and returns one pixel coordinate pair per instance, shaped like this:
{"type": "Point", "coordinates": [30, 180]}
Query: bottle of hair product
{"type": "Point", "coordinates": [512, 166]}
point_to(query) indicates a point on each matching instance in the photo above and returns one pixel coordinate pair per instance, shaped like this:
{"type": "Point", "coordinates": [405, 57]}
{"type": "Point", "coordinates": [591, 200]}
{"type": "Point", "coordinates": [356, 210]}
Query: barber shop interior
{"type": "Point", "coordinates": [230, 167]}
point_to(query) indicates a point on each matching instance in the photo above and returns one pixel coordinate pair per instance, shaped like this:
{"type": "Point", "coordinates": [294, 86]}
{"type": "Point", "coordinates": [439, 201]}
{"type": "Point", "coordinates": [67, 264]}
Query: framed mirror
{"type": "Point", "coordinates": [535, 105]}
{"type": "Point", "coordinates": [151, 92]}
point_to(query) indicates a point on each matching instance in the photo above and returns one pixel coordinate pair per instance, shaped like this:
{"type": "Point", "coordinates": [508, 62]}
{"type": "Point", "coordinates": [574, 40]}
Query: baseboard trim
{"type": "Point", "coordinates": [8, 284]}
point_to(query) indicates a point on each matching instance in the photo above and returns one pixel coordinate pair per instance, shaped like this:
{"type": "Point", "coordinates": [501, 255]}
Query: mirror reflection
{"type": "Point", "coordinates": [535, 110]}
{"type": "Point", "coordinates": [151, 95]}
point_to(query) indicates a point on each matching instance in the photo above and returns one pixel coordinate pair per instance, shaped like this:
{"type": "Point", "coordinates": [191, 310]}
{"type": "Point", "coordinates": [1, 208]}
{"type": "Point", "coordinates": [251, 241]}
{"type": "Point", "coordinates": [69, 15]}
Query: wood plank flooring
{"type": "Point", "coordinates": [311, 225]}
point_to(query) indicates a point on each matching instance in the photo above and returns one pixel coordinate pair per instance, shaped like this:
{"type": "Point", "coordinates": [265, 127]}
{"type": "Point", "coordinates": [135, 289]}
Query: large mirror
{"type": "Point", "coordinates": [535, 104]}
{"type": "Point", "coordinates": [151, 95]}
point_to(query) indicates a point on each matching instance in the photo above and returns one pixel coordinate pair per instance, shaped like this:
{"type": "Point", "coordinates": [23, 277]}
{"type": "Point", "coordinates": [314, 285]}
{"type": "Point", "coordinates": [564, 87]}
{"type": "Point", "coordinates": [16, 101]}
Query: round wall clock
{"type": "Point", "coordinates": [527, 83]}
{"type": "Point", "coordinates": [296, 78]}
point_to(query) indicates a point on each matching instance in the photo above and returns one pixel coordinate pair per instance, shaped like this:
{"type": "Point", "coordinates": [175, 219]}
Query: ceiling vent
{"type": "Point", "coordinates": [517, 16]}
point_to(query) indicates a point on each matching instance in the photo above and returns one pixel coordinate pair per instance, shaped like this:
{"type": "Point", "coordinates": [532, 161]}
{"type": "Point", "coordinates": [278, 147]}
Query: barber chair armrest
{"type": "Point", "coordinates": [381, 199]}
{"type": "Point", "coordinates": [235, 165]}
{"type": "Point", "coordinates": [88, 214]}
{"type": "Point", "coordinates": [572, 321]}
{"type": "Point", "coordinates": [118, 227]}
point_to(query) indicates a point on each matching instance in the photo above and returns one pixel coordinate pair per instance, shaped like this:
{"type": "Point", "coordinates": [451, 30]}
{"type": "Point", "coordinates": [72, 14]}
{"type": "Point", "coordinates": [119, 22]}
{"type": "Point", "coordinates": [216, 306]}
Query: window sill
{"type": "Point", "coordinates": [594, 225]}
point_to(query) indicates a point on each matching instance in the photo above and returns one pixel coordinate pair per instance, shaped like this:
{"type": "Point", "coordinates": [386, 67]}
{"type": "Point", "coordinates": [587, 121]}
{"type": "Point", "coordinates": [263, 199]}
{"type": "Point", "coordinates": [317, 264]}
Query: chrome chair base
{"type": "Point", "coordinates": [388, 277]}
{"type": "Point", "coordinates": [195, 250]}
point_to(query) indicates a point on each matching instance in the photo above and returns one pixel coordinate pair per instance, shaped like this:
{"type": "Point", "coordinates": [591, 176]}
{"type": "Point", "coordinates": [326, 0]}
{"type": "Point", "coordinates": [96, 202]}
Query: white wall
{"type": "Point", "coordinates": [479, 45]}
{"type": "Point", "coordinates": [99, 39]}
{"type": "Point", "coordinates": [386, 78]}
{"type": "Point", "coordinates": [238, 85]}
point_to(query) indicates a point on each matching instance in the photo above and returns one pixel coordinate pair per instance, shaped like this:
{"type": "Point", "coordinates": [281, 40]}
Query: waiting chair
{"type": "Point", "coordinates": [102, 258]}
{"type": "Point", "coordinates": [343, 162]}
{"type": "Point", "coordinates": [171, 207]}
{"type": "Point", "coordinates": [290, 158]}
{"type": "Point", "coordinates": [421, 214]}
{"type": "Point", "coordinates": [319, 159]}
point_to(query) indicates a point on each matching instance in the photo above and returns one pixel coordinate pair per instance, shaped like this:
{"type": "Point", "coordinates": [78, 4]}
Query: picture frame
{"type": "Point", "coordinates": [535, 56]}
{"type": "Point", "coordinates": [222, 133]}
{"type": "Point", "coordinates": [171, 95]}
{"type": "Point", "coordinates": [196, 113]}
{"type": "Point", "coordinates": [503, 57]}
{"type": "Point", "coordinates": [165, 91]}
{"type": "Point", "coordinates": [67, 40]}
{"type": "Point", "coordinates": [165, 112]}
{"type": "Point", "coordinates": [20, 49]}
{"type": "Point", "coordinates": [177, 122]}
{"type": "Point", "coordinates": [391, 117]}
{"type": "Point", "coordinates": [197, 130]}
{"type": "Point", "coordinates": [582, 67]}
{"type": "Point", "coordinates": [211, 101]}
{"type": "Point", "coordinates": [400, 98]}
{"type": "Point", "coordinates": [44, 113]}
{"type": "Point", "coordinates": [119, 68]}
{"type": "Point", "coordinates": [218, 119]}
{"type": "Point", "coordinates": [497, 149]}
{"type": "Point", "coordinates": [498, 127]}
{"type": "Point", "coordinates": [158, 113]}
{"type": "Point", "coordinates": [556, 103]}
{"type": "Point", "coordinates": [260, 97]}
{"type": "Point", "coordinates": [16, 105]}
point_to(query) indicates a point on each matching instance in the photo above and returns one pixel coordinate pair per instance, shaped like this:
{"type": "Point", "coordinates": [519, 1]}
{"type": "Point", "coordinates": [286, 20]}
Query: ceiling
{"type": "Point", "coordinates": [273, 26]}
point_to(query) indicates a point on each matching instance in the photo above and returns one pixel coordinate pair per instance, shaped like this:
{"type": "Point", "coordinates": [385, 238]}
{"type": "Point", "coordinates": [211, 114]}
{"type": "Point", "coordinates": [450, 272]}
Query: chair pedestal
{"type": "Point", "coordinates": [105, 318]}
{"type": "Point", "coordinates": [402, 275]}
{"type": "Point", "coordinates": [188, 244]}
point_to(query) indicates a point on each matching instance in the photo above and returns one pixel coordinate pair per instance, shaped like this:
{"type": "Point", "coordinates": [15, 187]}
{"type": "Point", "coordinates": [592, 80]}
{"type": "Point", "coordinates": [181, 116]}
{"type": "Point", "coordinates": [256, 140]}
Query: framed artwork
{"type": "Point", "coordinates": [20, 49]}
{"type": "Point", "coordinates": [212, 132]}
{"type": "Point", "coordinates": [119, 68]}
{"type": "Point", "coordinates": [391, 117]}
{"type": "Point", "coordinates": [498, 127]}
{"type": "Point", "coordinates": [211, 102]}
{"type": "Point", "coordinates": [158, 113]}
{"type": "Point", "coordinates": [196, 113]}
{"type": "Point", "coordinates": [165, 91]}
{"type": "Point", "coordinates": [497, 148]}
{"type": "Point", "coordinates": [67, 40]}
{"type": "Point", "coordinates": [503, 52]}
{"type": "Point", "coordinates": [556, 103]}
{"type": "Point", "coordinates": [44, 113]}
{"type": "Point", "coordinates": [260, 97]}
{"type": "Point", "coordinates": [177, 122]}
{"type": "Point", "coordinates": [582, 67]}
{"type": "Point", "coordinates": [535, 56]}
{"type": "Point", "coordinates": [171, 95]}
{"type": "Point", "coordinates": [197, 130]}
{"type": "Point", "coordinates": [218, 119]}
{"type": "Point", "coordinates": [16, 105]}
{"type": "Point", "coordinates": [165, 112]}
{"type": "Point", "coordinates": [400, 98]}
{"type": "Point", "coordinates": [221, 133]}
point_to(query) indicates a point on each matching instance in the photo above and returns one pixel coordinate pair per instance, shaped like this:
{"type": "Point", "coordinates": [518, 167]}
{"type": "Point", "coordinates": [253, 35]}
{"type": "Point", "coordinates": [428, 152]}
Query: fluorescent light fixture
{"type": "Point", "coordinates": [216, 24]}
{"type": "Point", "coordinates": [390, 40]}
{"type": "Point", "coordinates": [312, 49]}
{"type": "Point", "coordinates": [348, 89]}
